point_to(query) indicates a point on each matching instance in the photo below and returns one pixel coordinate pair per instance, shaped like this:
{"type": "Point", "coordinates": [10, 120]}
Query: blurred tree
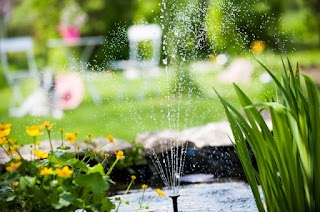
{"type": "Point", "coordinates": [314, 7]}
{"type": "Point", "coordinates": [39, 19]}
{"type": "Point", "coordinates": [147, 11]}
{"type": "Point", "coordinates": [233, 25]}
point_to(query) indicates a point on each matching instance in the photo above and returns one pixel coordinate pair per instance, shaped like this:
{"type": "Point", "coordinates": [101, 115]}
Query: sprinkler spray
{"type": "Point", "coordinates": [175, 202]}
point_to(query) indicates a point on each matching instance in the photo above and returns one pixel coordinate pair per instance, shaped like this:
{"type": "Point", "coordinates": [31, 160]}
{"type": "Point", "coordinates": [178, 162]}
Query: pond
{"type": "Point", "coordinates": [206, 197]}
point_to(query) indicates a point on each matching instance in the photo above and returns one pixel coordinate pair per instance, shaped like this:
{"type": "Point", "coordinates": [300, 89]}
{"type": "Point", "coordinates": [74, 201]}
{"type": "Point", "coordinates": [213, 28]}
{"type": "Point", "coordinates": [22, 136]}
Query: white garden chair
{"type": "Point", "coordinates": [21, 47]}
{"type": "Point", "coordinates": [141, 33]}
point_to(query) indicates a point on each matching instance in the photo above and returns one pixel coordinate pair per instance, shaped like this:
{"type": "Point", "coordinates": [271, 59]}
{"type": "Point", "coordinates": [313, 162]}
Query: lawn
{"type": "Point", "coordinates": [133, 106]}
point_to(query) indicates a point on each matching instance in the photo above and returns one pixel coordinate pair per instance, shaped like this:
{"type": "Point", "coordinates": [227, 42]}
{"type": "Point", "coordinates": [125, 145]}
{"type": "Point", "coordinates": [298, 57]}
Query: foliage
{"type": "Point", "coordinates": [103, 17]}
{"type": "Point", "coordinates": [287, 156]}
{"type": "Point", "coordinates": [233, 25]}
{"type": "Point", "coordinates": [58, 180]}
{"type": "Point", "coordinates": [313, 6]}
{"type": "Point", "coordinates": [302, 33]}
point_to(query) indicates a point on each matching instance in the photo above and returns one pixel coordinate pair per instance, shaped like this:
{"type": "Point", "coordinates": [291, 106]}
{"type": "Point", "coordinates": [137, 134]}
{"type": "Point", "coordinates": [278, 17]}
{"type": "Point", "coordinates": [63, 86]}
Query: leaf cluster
{"type": "Point", "coordinates": [287, 155]}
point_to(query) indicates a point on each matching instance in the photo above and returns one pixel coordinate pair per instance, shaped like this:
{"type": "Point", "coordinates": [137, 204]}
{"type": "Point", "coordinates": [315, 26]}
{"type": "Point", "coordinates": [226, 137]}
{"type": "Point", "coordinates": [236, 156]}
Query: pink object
{"type": "Point", "coordinates": [69, 91]}
{"type": "Point", "coordinates": [69, 34]}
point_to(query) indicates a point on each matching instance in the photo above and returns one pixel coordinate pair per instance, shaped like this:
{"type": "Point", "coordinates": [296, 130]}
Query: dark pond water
{"type": "Point", "coordinates": [204, 197]}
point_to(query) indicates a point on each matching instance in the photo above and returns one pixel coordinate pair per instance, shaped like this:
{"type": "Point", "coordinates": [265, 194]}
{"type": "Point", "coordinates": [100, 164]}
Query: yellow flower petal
{"type": "Point", "coordinates": [160, 192]}
{"type": "Point", "coordinates": [39, 154]}
{"type": "Point", "coordinates": [45, 171]}
{"type": "Point", "coordinates": [4, 130]}
{"type": "Point", "coordinates": [47, 125]}
{"type": "Point", "coordinates": [110, 138]}
{"type": "Point", "coordinates": [13, 166]}
{"type": "Point", "coordinates": [144, 186]}
{"type": "Point", "coordinates": [70, 137]}
{"type": "Point", "coordinates": [65, 172]}
{"type": "Point", "coordinates": [119, 155]}
{"type": "Point", "coordinates": [34, 130]}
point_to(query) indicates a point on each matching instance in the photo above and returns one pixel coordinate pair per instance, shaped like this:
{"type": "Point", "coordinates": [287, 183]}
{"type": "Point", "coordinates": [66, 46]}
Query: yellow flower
{"type": "Point", "coordinates": [15, 147]}
{"type": "Point", "coordinates": [111, 139]}
{"type": "Point", "coordinates": [12, 149]}
{"type": "Point", "coordinates": [90, 135]}
{"type": "Point", "coordinates": [160, 193]}
{"type": "Point", "coordinates": [76, 133]}
{"type": "Point", "coordinates": [70, 137]}
{"type": "Point", "coordinates": [133, 177]}
{"type": "Point", "coordinates": [144, 186]}
{"type": "Point", "coordinates": [3, 141]}
{"type": "Point", "coordinates": [258, 46]}
{"type": "Point", "coordinates": [119, 155]}
{"type": "Point", "coordinates": [11, 141]}
{"type": "Point", "coordinates": [45, 171]}
{"type": "Point", "coordinates": [64, 172]}
{"type": "Point", "coordinates": [47, 125]}
{"type": "Point", "coordinates": [39, 154]}
{"type": "Point", "coordinates": [17, 158]}
{"type": "Point", "coordinates": [96, 151]}
{"type": "Point", "coordinates": [13, 166]}
{"type": "Point", "coordinates": [4, 129]}
{"type": "Point", "coordinates": [106, 155]}
{"type": "Point", "coordinates": [34, 130]}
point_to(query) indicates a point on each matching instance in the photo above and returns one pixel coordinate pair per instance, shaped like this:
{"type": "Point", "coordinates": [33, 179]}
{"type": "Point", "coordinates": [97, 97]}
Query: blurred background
{"type": "Point", "coordinates": [200, 39]}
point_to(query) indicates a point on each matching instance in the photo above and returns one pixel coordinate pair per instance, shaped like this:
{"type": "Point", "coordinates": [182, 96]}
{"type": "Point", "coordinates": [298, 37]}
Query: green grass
{"type": "Point", "coordinates": [133, 106]}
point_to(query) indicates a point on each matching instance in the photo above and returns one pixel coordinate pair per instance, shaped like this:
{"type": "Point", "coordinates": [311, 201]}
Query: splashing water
{"type": "Point", "coordinates": [185, 35]}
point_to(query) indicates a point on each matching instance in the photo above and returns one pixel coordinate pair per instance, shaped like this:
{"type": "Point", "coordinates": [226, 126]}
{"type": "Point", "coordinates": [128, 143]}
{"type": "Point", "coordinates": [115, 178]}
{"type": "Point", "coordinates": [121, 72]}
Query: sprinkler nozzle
{"type": "Point", "coordinates": [175, 202]}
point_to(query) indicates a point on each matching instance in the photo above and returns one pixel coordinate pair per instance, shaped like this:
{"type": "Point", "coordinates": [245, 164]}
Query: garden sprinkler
{"type": "Point", "coordinates": [175, 202]}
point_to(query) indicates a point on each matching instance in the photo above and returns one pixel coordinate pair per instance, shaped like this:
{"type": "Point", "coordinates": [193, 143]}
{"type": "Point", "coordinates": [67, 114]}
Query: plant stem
{"type": "Point", "coordinates": [141, 200]}
{"type": "Point", "coordinates": [129, 186]}
{"type": "Point", "coordinates": [112, 166]}
{"type": "Point", "coordinates": [49, 135]}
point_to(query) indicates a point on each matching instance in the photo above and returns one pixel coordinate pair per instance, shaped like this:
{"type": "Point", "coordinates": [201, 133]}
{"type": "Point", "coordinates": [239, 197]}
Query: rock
{"type": "Point", "coordinates": [212, 134]}
{"type": "Point", "coordinates": [239, 71]}
{"type": "Point", "coordinates": [101, 143]}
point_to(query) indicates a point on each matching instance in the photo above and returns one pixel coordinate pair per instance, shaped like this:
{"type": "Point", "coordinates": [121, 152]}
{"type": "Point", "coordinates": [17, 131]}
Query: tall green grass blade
{"type": "Point", "coordinates": [288, 158]}
{"type": "Point", "coordinates": [235, 121]}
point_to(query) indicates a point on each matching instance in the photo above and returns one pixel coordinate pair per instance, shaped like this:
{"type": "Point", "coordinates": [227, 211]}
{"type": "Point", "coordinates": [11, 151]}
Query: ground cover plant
{"type": "Point", "coordinates": [59, 179]}
{"type": "Point", "coordinates": [288, 155]}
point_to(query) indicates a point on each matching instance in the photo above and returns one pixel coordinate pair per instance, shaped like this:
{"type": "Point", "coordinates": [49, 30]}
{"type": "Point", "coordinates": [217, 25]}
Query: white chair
{"type": "Point", "coordinates": [145, 33]}
{"type": "Point", "coordinates": [10, 49]}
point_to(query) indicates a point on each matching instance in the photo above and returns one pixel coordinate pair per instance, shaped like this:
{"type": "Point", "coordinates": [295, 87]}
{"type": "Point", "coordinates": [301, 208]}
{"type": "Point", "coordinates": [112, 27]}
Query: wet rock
{"type": "Point", "coordinates": [212, 134]}
{"type": "Point", "coordinates": [208, 149]}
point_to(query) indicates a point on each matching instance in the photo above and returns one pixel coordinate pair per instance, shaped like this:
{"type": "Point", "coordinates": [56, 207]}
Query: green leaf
{"type": "Point", "coordinates": [27, 181]}
{"type": "Point", "coordinates": [67, 196]}
{"type": "Point", "coordinates": [106, 205]}
{"type": "Point", "coordinates": [81, 165]}
{"type": "Point", "coordinates": [95, 182]}
{"type": "Point", "coordinates": [97, 168]}
{"type": "Point", "coordinates": [61, 203]}
{"type": "Point", "coordinates": [89, 153]}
